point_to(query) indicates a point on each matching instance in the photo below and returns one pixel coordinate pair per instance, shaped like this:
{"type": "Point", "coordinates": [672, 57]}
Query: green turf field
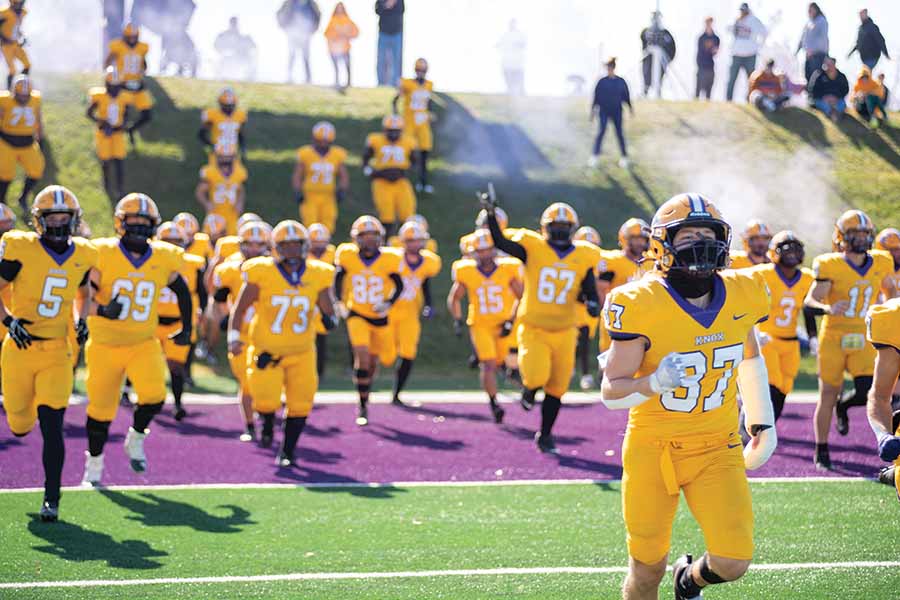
{"type": "Point", "coordinates": [115, 535]}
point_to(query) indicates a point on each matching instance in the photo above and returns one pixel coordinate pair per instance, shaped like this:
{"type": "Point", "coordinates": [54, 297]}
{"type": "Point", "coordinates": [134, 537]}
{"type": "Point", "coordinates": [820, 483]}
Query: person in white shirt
{"type": "Point", "coordinates": [749, 34]}
{"type": "Point", "coordinates": [512, 47]}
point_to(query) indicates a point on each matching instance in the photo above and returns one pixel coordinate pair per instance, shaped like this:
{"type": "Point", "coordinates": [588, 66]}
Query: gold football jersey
{"type": "Point", "coordinates": [129, 60]}
{"type": "Point", "coordinates": [19, 119]}
{"type": "Point", "coordinates": [224, 129]}
{"type": "Point", "coordinates": [859, 286]}
{"type": "Point", "coordinates": [410, 301]}
{"type": "Point", "coordinates": [368, 281]}
{"type": "Point", "coordinates": [390, 155]}
{"type": "Point", "coordinates": [415, 98]}
{"type": "Point", "coordinates": [320, 171]}
{"type": "Point", "coordinates": [489, 293]}
{"type": "Point", "coordinates": [787, 298]}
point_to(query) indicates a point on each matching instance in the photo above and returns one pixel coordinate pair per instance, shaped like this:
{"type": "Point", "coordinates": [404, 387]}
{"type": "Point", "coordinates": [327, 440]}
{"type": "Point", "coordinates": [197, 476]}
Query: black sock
{"type": "Point", "coordinates": [529, 394]}
{"type": "Point", "coordinates": [4, 186]}
{"type": "Point", "coordinates": [268, 427]}
{"type": "Point", "coordinates": [321, 353]}
{"type": "Point", "coordinates": [549, 411]}
{"type": "Point", "coordinates": [54, 454]}
{"type": "Point", "coordinates": [189, 362]}
{"type": "Point", "coordinates": [26, 190]}
{"type": "Point", "coordinates": [687, 587]}
{"type": "Point", "coordinates": [423, 167]}
{"type": "Point", "coordinates": [107, 167]}
{"type": "Point", "coordinates": [363, 389]}
{"type": "Point", "coordinates": [97, 434]}
{"type": "Point", "coordinates": [778, 398]}
{"type": "Point", "coordinates": [143, 414]}
{"type": "Point", "coordinates": [402, 375]}
{"type": "Point", "coordinates": [582, 349]}
{"type": "Point", "coordinates": [821, 449]}
{"type": "Point", "coordinates": [119, 169]}
{"type": "Point", "coordinates": [177, 387]}
{"type": "Point", "coordinates": [293, 427]}
{"type": "Point", "coordinates": [492, 399]}
{"type": "Point", "coordinates": [251, 429]}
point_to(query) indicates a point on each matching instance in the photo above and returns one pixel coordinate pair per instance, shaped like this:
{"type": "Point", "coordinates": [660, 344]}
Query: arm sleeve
{"type": "Point", "coordinates": [809, 319]}
{"type": "Point", "coordinates": [202, 293]}
{"type": "Point", "coordinates": [84, 280]}
{"type": "Point", "coordinates": [503, 243]}
{"type": "Point", "coordinates": [185, 304]}
{"type": "Point", "coordinates": [426, 291]}
{"type": "Point", "coordinates": [398, 287]}
{"type": "Point", "coordinates": [606, 276]}
{"type": "Point", "coordinates": [339, 274]}
{"type": "Point", "coordinates": [221, 294]}
{"type": "Point", "coordinates": [589, 287]}
{"type": "Point", "coordinates": [9, 269]}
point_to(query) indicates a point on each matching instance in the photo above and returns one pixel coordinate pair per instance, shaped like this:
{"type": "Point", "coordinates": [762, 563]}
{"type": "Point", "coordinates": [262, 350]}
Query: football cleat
{"type": "Point", "coordinates": [180, 413]}
{"type": "Point", "coordinates": [545, 443]}
{"type": "Point", "coordinates": [284, 460]}
{"type": "Point", "coordinates": [396, 401]}
{"type": "Point", "coordinates": [822, 460]}
{"type": "Point", "coordinates": [93, 470]}
{"type": "Point", "coordinates": [842, 419]}
{"type": "Point", "coordinates": [684, 562]}
{"type": "Point", "coordinates": [134, 448]}
{"type": "Point", "coordinates": [362, 417]}
{"type": "Point", "coordinates": [498, 413]}
{"type": "Point", "coordinates": [527, 399]}
{"type": "Point", "coordinates": [886, 475]}
{"type": "Point", "coordinates": [49, 511]}
{"type": "Point", "coordinates": [587, 382]}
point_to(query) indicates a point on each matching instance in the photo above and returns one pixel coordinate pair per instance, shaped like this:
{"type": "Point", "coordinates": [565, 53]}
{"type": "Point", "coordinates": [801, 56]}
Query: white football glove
{"type": "Point", "coordinates": [382, 307]}
{"type": "Point", "coordinates": [763, 338]}
{"type": "Point", "coordinates": [669, 375]}
{"type": "Point", "coordinates": [341, 310]}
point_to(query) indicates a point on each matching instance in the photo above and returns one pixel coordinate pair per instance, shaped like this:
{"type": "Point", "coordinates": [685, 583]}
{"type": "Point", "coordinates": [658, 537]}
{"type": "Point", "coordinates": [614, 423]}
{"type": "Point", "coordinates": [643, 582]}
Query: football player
{"type": "Point", "coordinates": [289, 293]}
{"type": "Point", "coordinates": [586, 324]}
{"type": "Point", "coordinates": [417, 269]}
{"type": "Point", "coordinates": [12, 41]}
{"type": "Point", "coordinates": [847, 284]}
{"type": "Point", "coordinates": [129, 56]}
{"type": "Point", "coordinates": [559, 272]}
{"type": "Point", "coordinates": [20, 138]}
{"type": "Point", "coordinates": [756, 237]}
{"type": "Point", "coordinates": [430, 244]}
{"type": "Point", "coordinates": [223, 126]}
{"type": "Point", "coordinates": [681, 345]}
{"type": "Point", "coordinates": [177, 356]}
{"type": "Point", "coordinates": [465, 241]}
{"type": "Point", "coordinates": [888, 241]}
{"type": "Point", "coordinates": [107, 106]}
{"type": "Point", "coordinates": [417, 118]}
{"type": "Point", "coordinates": [256, 240]}
{"type": "Point", "coordinates": [36, 309]}
{"type": "Point", "coordinates": [214, 228]}
{"type": "Point", "coordinates": [321, 180]}
{"type": "Point", "coordinates": [883, 332]}
{"type": "Point", "coordinates": [371, 274]}
{"type": "Point", "coordinates": [321, 248]}
{"type": "Point", "coordinates": [220, 190]}
{"type": "Point", "coordinates": [788, 284]}
{"type": "Point", "coordinates": [131, 272]}
{"type": "Point", "coordinates": [390, 153]}
{"type": "Point", "coordinates": [492, 287]}
{"type": "Point", "coordinates": [200, 244]}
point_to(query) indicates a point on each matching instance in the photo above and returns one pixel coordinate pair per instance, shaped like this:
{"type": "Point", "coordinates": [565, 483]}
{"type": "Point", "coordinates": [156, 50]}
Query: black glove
{"type": "Point", "coordinates": [298, 196]}
{"type": "Point", "coordinates": [182, 338]}
{"type": "Point", "coordinates": [107, 129]}
{"type": "Point", "coordinates": [506, 328]}
{"type": "Point", "coordinates": [488, 199]}
{"type": "Point", "coordinates": [223, 324]}
{"type": "Point", "coordinates": [341, 196]}
{"type": "Point", "coordinates": [329, 321]}
{"type": "Point", "coordinates": [265, 359]}
{"type": "Point", "coordinates": [17, 331]}
{"type": "Point", "coordinates": [457, 327]}
{"type": "Point", "coordinates": [81, 331]}
{"type": "Point", "coordinates": [111, 311]}
{"type": "Point", "coordinates": [593, 308]}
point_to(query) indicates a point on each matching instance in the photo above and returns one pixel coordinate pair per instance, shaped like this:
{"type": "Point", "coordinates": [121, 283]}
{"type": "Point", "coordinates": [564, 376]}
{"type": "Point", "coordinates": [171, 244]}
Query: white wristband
{"type": "Point", "coordinates": [234, 336]}
{"type": "Point", "coordinates": [654, 384]}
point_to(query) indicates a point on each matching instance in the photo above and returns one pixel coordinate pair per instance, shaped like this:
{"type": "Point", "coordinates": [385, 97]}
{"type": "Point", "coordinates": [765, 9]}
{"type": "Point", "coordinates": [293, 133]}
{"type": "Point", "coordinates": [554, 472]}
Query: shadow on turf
{"type": "Point", "coordinates": [331, 483]}
{"type": "Point", "coordinates": [74, 543]}
{"type": "Point", "coordinates": [406, 438]}
{"type": "Point", "coordinates": [155, 511]}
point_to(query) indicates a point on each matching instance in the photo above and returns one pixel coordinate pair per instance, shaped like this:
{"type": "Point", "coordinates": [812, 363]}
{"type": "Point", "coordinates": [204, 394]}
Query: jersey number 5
{"type": "Point", "coordinates": [685, 399]}
{"type": "Point", "coordinates": [50, 300]}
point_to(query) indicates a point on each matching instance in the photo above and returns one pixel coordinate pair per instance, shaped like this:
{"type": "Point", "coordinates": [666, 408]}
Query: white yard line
{"type": "Point", "coordinates": [401, 484]}
{"type": "Point", "coordinates": [86, 583]}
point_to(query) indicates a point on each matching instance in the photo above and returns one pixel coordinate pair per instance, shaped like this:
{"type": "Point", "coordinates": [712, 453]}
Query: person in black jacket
{"type": "Point", "coordinates": [299, 19]}
{"type": "Point", "coordinates": [828, 89]}
{"type": "Point", "coordinates": [390, 41]}
{"type": "Point", "coordinates": [609, 96]}
{"type": "Point", "coordinates": [707, 48]}
{"type": "Point", "coordinates": [656, 41]}
{"type": "Point", "coordinates": [869, 41]}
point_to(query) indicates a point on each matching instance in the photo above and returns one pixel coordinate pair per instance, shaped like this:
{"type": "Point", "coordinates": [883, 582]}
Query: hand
{"type": "Point", "coordinates": [488, 199]}
{"type": "Point", "coordinates": [182, 338]}
{"type": "Point", "coordinates": [814, 346]}
{"type": "Point", "coordinates": [367, 171]}
{"type": "Point", "coordinates": [111, 311]}
{"type": "Point", "coordinates": [506, 328]}
{"type": "Point", "coordinates": [763, 338]}
{"type": "Point", "coordinates": [107, 129]}
{"type": "Point", "coordinates": [457, 327]}
{"type": "Point", "coordinates": [761, 447]}
{"type": "Point", "coordinates": [670, 374]}
{"type": "Point", "coordinates": [427, 312]}
{"type": "Point", "coordinates": [593, 308]}
{"type": "Point", "coordinates": [839, 308]}
{"type": "Point", "coordinates": [341, 310]}
{"type": "Point", "coordinates": [17, 331]}
{"type": "Point", "coordinates": [382, 307]}
{"type": "Point", "coordinates": [81, 331]}
{"type": "Point", "coordinates": [889, 448]}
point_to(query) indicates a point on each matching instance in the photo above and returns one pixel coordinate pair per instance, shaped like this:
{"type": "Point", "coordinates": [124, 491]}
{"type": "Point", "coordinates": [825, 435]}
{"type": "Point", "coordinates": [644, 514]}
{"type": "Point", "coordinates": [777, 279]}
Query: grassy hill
{"type": "Point", "coordinates": [796, 168]}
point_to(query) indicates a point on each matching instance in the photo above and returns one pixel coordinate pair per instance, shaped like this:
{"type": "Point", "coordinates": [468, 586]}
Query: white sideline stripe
{"type": "Point", "coordinates": [423, 397]}
{"type": "Point", "coordinates": [398, 484]}
{"type": "Point", "coordinates": [415, 574]}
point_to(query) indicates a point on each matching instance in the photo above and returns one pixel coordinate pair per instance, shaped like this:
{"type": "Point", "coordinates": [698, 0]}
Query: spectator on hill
{"type": "Point", "coordinates": [828, 89]}
{"type": "Point", "coordinates": [390, 41]}
{"type": "Point", "coordinates": [707, 48]}
{"type": "Point", "coordinates": [340, 32]}
{"type": "Point", "coordinates": [609, 96]}
{"type": "Point", "coordinates": [885, 89]}
{"type": "Point", "coordinates": [299, 19]}
{"type": "Point", "coordinates": [237, 53]}
{"type": "Point", "coordinates": [814, 40]}
{"type": "Point", "coordinates": [869, 41]}
{"type": "Point", "coordinates": [657, 43]}
{"type": "Point", "coordinates": [869, 98]}
{"type": "Point", "coordinates": [512, 47]}
{"type": "Point", "coordinates": [749, 34]}
{"type": "Point", "coordinates": [767, 90]}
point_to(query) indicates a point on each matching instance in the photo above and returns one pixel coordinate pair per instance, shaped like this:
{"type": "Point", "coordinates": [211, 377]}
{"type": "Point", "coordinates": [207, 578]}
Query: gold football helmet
{"type": "Point", "coordinates": [699, 258]}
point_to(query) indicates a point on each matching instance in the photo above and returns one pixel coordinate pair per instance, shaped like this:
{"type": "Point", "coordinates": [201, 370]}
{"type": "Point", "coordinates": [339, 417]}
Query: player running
{"type": "Point", "coordinates": [290, 292]}
{"type": "Point", "coordinates": [41, 274]}
{"type": "Point", "coordinates": [369, 274]}
{"type": "Point", "coordinates": [883, 332]}
{"type": "Point", "coordinates": [390, 155]}
{"type": "Point", "coordinates": [417, 269]}
{"type": "Point", "coordinates": [12, 41]}
{"type": "Point", "coordinates": [680, 344]}
{"type": "Point", "coordinates": [417, 117]}
{"type": "Point", "coordinates": [106, 108]}
{"type": "Point", "coordinates": [585, 323]}
{"type": "Point", "coordinates": [321, 248]}
{"type": "Point", "coordinates": [492, 287]}
{"type": "Point", "coordinates": [223, 125]}
{"type": "Point", "coordinates": [132, 270]}
{"type": "Point", "coordinates": [21, 131]}
{"type": "Point", "coordinates": [558, 274]}
{"type": "Point", "coordinates": [220, 190]}
{"type": "Point", "coordinates": [888, 241]}
{"type": "Point", "coordinates": [129, 57]}
{"type": "Point", "coordinates": [321, 180]}
{"type": "Point", "coordinates": [756, 237]}
{"type": "Point", "coordinates": [847, 284]}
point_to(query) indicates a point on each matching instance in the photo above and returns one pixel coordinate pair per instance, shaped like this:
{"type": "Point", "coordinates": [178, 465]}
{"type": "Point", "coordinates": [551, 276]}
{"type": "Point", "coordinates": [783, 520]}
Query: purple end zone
{"type": "Point", "coordinates": [435, 442]}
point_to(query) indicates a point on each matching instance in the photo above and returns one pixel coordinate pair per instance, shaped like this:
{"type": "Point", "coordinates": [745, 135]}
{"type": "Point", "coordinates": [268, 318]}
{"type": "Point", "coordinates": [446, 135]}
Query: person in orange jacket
{"type": "Point", "coordinates": [869, 98]}
{"type": "Point", "coordinates": [341, 29]}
